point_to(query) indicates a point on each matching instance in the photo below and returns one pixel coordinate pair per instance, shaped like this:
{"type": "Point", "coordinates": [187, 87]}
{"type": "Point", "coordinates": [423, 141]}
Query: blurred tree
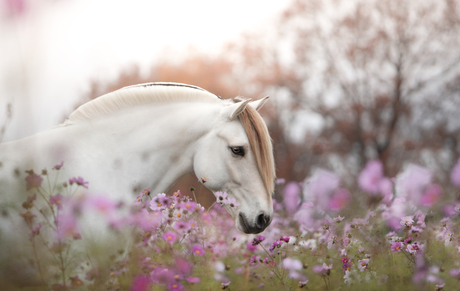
{"type": "Point", "coordinates": [378, 72]}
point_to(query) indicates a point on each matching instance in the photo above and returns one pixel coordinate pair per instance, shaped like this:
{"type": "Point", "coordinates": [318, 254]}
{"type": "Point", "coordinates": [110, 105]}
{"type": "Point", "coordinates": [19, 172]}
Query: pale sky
{"type": "Point", "coordinates": [49, 54]}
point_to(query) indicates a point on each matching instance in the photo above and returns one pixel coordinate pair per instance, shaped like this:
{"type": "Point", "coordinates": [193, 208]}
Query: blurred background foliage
{"type": "Point", "coordinates": [350, 81]}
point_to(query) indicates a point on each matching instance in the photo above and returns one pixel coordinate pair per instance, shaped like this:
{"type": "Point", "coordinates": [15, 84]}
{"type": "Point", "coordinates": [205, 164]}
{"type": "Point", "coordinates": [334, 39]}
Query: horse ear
{"type": "Point", "coordinates": [233, 110]}
{"type": "Point", "coordinates": [258, 103]}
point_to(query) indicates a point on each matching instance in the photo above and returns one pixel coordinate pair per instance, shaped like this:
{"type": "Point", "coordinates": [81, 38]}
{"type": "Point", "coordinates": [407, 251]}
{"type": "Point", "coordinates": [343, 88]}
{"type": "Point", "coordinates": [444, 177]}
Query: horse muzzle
{"type": "Point", "coordinates": [260, 224]}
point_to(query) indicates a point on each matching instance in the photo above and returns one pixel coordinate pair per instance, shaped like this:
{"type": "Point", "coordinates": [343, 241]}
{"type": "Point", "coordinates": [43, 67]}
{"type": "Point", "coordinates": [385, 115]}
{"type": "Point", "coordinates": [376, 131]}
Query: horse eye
{"type": "Point", "coordinates": [238, 150]}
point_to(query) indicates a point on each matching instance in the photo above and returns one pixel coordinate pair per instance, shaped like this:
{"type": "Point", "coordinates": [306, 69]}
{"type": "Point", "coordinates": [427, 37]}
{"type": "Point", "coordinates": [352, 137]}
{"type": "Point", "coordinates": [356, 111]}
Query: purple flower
{"type": "Point", "coordinates": [276, 244]}
{"type": "Point", "coordinates": [396, 247]}
{"type": "Point", "coordinates": [258, 240]}
{"type": "Point", "coordinates": [170, 237]}
{"type": "Point", "coordinates": [291, 196]}
{"type": "Point", "coordinates": [285, 239]}
{"type": "Point", "coordinates": [33, 180]}
{"type": "Point", "coordinates": [455, 174]}
{"type": "Point", "coordinates": [197, 250]}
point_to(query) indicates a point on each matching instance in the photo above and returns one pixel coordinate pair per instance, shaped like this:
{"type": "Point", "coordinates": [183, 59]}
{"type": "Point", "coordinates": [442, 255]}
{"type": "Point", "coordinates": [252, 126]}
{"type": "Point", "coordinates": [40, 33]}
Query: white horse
{"type": "Point", "coordinates": [150, 135]}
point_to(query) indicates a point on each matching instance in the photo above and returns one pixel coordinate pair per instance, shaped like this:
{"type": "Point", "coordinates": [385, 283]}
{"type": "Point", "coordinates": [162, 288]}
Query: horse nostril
{"type": "Point", "coordinates": [262, 220]}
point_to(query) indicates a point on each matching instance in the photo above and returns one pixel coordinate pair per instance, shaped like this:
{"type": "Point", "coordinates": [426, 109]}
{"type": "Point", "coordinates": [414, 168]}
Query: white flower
{"type": "Point", "coordinates": [362, 264]}
{"type": "Point", "coordinates": [291, 264]}
{"type": "Point", "coordinates": [406, 221]}
{"type": "Point", "coordinates": [382, 280]}
{"type": "Point", "coordinates": [347, 278]}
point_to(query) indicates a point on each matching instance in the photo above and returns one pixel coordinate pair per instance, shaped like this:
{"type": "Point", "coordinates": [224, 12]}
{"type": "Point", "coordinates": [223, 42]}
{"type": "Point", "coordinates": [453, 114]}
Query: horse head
{"type": "Point", "coordinates": [236, 157]}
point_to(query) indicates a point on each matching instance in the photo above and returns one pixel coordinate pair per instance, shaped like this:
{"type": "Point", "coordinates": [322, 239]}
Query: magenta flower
{"type": "Point", "coordinates": [33, 181]}
{"type": "Point", "coordinates": [339, 199]}
{"type": "Point", "coordinates": [455, 174]}
{"type": "Point", "coordinates": [285, 239]}
{"type": "Point", "coordinates": [258, 240]}
{"type": "Point", "coordinates": [198, 250]}
{"type": "Point", "coordinates": [141, 283]}
{"type": "Point", "coordinates": [396, 247]}
{"type": "Point", "coordinates": [291, 198]}
{"type": "Point", "coordinates": [170, 237]}
{"type": "Point", "coordinates": [57, 200]}
{"type": "Point", "coordinates": [276, 244]}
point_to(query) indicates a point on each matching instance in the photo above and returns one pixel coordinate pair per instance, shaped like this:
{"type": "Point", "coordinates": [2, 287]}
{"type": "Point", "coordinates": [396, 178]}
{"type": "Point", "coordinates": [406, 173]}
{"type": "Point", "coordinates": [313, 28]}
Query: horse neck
{"type": "Point", "coordinates": [157, 143]}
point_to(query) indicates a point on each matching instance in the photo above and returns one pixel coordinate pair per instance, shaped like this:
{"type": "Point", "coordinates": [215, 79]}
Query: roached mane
{"type": "Point", "coordinates": [261, 144]}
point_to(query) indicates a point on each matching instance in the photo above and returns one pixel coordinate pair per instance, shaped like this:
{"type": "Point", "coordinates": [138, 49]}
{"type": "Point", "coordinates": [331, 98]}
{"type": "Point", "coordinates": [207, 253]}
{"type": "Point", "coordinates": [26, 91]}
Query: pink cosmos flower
{"type": "Point", "coordinates": [197, 250]}
{"type": "Point", "coordinates": [182, 226]}
{"type": "Point", "coordinates": [33, 181]}
{"type": "Point", "coordinates": [291, 198]}
{"type": "Point", "coordinates": [58, 166]}
{"type": "Point", "coordinates": [79, 181]}
{"type": "Point", "coordinates": [57, 200]}
{"type": "Point", "coordinates": [396, 247]}
{"type": "Point", "coordinates": [372, 180]}
{"type": "Point", "coordinates": [159, 202]}
{"type": "Point", "coordinates": [170, 237]}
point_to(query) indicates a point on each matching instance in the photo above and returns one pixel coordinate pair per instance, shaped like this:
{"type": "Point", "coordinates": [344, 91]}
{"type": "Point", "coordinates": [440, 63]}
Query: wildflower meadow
{"type": "Point", "coordinates": [386, 233]}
